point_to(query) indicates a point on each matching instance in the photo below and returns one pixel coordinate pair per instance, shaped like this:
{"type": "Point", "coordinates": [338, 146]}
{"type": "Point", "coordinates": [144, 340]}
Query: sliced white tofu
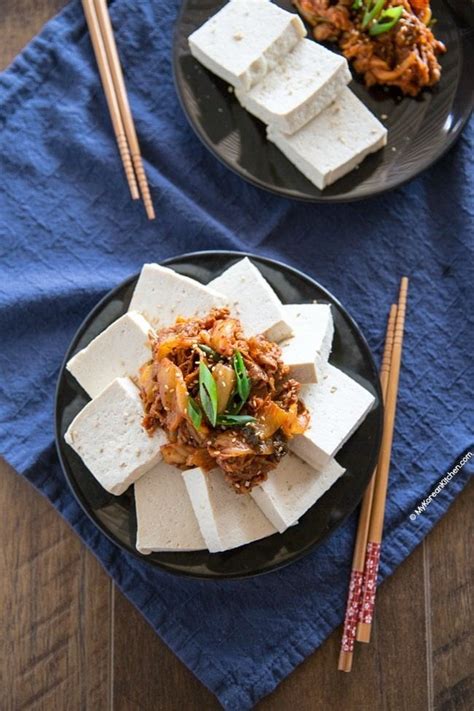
{"type": "Point", "coordinates": [307, 351]}
{"type": "Point", "coordinates": [252, 300]}
{"type": "Point", "coordinates": [108, 436]}
{"type": "Point", "coordinates": [338, 405]}
{"type": "Point", "coordinates": [245, 39]}
{"type": "Point", "coordinates": [161, 295]}
{"type": "Point", "coordinates": [298, 88]}
{"type": "Point", "coordinates": [334, 142]}
{"type": "Point", "coordinates": [117, 352]}
{"type": "Point", "coordinates": [226, 519]}
{"type": "Point", "coordinates": [165, 517]}
{"type": "Point", "coordinates": [292, 488]}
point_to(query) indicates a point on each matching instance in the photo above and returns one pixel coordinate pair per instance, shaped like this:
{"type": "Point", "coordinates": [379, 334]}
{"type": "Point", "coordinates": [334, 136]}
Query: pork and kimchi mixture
{"type": "Point", "coordinates": [388, 41]}
{"type": "Point", "coordinates": [223, 400]}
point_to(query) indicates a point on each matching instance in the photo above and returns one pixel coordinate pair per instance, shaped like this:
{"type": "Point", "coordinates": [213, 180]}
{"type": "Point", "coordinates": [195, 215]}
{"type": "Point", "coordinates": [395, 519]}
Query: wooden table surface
{"type": "Point", "coordinates": [72, 641]}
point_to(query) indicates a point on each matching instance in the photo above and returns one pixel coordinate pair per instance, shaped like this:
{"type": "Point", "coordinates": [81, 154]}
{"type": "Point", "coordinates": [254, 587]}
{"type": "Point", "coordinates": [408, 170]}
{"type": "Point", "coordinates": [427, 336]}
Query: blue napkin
{"type": "Point", "coordinates": [69, 232]}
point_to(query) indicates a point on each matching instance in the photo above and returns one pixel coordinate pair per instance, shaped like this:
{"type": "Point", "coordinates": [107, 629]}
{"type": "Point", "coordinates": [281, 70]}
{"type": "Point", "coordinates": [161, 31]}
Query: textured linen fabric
{"type": "Point", "coordinates": [69, 232]}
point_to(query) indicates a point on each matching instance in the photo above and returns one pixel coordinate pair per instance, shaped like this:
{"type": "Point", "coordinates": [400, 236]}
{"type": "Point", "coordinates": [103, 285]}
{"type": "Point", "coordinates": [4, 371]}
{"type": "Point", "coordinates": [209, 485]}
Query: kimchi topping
{"type": "Point", "coordinates": [390, 42]}
{"type": "Point", "coordinates": [223, 400]}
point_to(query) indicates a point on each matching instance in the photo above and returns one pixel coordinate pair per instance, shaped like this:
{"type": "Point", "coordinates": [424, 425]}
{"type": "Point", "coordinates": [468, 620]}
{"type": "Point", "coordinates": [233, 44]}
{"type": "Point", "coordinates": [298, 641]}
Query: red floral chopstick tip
{"type": "Point", "coordinates": [351, 619]}
{"type": "Point", "coordinates": [366, 613]}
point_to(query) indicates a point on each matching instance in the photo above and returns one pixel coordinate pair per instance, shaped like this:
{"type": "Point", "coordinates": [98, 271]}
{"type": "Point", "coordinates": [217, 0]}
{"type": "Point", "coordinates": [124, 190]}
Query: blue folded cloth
{"type": "Point", "coordinates": [69, 232]}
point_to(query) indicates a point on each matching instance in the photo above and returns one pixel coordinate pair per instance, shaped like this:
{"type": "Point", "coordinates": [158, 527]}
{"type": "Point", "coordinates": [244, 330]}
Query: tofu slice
{"type": "Point", "coordinates": [226, 519]}
{"type": "Point", "coordinates": [304, 83]}
{"type": "Point", "coordinates": [334, 142]}
{"type": "Point", "coordinates": [117, 352]}
{"type": "Point", "coordinates": [338, 405]}
{"type": "Point", "coordinates": [108, 436]}
{"type": "Point", "coordinates": [245, 39]}
{"type": "Point", "coordinates": [253, 301]}
{"type": "Point", "coordinates": [162, 295]}
{"type": "Point", "coordinates": [307, 351]}
{"type": "Point", "coordinates": [165, 517]}
{"type": "Point", "coordinates": [292, 488]}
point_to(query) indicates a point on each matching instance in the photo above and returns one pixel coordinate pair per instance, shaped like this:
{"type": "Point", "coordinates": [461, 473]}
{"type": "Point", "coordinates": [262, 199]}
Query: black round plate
{"type": "Point", "coordinates": [115, 516]}
{"type": "Point", "coordinates": [419, 130]}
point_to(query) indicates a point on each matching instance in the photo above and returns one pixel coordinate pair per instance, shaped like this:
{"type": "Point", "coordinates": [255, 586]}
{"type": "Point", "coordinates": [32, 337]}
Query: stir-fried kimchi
{"type": "Point", "coordinates": [389, 41]}
{"type": "Point", "coordinates": [223, 400]}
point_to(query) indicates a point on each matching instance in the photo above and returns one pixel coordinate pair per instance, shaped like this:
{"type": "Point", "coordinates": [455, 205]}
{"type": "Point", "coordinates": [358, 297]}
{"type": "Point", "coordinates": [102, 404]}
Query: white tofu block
{"type": "Point", "coordinates": [292, 488]}
{"type": "Point", "coordinates": [338, 405]}
{"type": "Point", "coordinates": [333, 143]}
{"type": "Point", "coordinates": [245, 39]}
{"type": "Point", "coordinates": [304, 83]}
{"type": "Point", "coordinates": [226, 519]}
{"type": "Point", "coordinates": [162, 295]}
{"type": "Point", "coordinates": [117, 352]}
{"type": "Point", "coordinates": [165, 517]}
{"type": "Point", "coordinates": [108, 436]}
{"type": "Point", "coordinates": [252, 300]}
{"type": "Point", "coordinates": [307, 351]}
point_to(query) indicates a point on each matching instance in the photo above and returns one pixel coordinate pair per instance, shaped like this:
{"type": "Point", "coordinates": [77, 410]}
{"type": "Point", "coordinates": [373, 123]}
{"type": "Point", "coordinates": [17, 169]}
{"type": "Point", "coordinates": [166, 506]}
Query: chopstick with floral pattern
{"type": "Point", "coordinates": [354, 597]}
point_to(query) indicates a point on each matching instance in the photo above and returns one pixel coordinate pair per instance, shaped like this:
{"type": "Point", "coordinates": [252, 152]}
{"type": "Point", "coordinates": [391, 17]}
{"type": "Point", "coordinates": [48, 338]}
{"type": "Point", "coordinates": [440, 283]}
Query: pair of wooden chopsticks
{"type": "Point", "coordinates": [110, 70]}
{"type": "Point", "coordinates": [365, 562]}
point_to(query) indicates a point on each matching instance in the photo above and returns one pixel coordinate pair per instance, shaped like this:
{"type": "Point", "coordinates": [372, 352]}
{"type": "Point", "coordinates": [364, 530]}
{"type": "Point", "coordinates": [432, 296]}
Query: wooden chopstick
{"type": "Point", "coordinates": [372, 556]}
{"type": "Point", "coordinates": [122, 98]}
{"type": "Point", "coordinates": [358, 560]}
{"type": "Point", "coordinates": [109, 90]}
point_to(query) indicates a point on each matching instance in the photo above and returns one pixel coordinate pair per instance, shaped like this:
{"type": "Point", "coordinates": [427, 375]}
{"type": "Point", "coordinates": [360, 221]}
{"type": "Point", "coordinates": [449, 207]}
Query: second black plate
{"type": "Point", "coordinates": [419, 130]}
{"type": "Point", "coordinates": [115, 516]}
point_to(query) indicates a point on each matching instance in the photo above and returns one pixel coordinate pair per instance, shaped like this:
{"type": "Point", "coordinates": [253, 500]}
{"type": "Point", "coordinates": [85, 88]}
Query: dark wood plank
{"type": "Point", "coordinates": [148, 676]}
{"type": "Point", "coordinates": [451, 565]}
{"type": "Point", "coordinates": [20, 20]}
{"type": "Point", "coordinates": [54, 602]}
{"type": "Point", "coordinates": [397, 651]}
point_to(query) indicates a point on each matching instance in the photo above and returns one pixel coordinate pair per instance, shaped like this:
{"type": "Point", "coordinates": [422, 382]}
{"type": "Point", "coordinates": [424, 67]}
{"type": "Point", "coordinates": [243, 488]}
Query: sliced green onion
{"type": "Point", "coordinates": [209, 351]}
{"type": "Point", "coordinates": [357, 4]}
{"type": "Point", "coordinates": [387, 20]}
{"type": "Point", "coordinates": [243, 380]}
{"type": "Point", "coordinates": [194, 413]}
{"type": "Point", "coordinates": [235, 404]}
{"type": "Point", "coordinates": [373, 10]}
{"type": "Point", "coordinates": [234, 420]}
{"type": "Point", "coordinates": [208, 393]}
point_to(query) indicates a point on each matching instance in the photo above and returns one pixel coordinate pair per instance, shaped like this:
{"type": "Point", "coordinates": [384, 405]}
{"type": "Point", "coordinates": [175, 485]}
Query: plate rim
{"type": "Point", "coordinates": [81, 500]}
{"type": "Point", "coordinates": [284, 192]}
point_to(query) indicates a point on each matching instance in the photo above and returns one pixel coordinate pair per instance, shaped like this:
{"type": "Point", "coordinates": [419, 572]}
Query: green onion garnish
{"type": "Point", "coordinates": [357, 4]}
{"type": "Point", "coordinates": [209, 351]}
{"type": "Point", "coordinates": [234, 420]}
{"type": "Point", "coordinates": [208, 393]}
{"type": "Point", "coordinates": [194, 412]}
{"type": "Point", "coordinates": [243, 380]}
{"type": "Point", "coordinates": [372, 11]}
{"type": "Point", "coordinates": [386, 21]}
